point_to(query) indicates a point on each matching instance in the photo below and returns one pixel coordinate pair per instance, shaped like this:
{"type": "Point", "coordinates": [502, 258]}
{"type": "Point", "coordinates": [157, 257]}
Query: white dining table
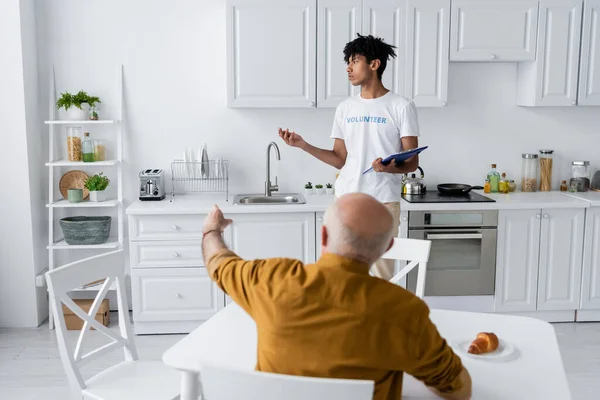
{"type": "Point", "coordinates": [534, 370]}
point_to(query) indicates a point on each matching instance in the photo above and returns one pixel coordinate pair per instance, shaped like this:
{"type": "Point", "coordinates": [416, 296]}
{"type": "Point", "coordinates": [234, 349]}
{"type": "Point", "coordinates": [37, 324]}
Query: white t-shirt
{"type": "Point", "coordinates": [372, 128]}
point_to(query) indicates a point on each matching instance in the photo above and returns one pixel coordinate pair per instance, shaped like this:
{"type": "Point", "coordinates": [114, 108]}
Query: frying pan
{"type": "Point", "coordinates": [456, 188]}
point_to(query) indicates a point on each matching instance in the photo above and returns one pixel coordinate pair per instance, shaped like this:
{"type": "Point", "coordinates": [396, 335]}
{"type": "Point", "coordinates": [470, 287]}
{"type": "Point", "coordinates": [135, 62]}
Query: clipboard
{"type": "Point", "coordinates": [399, 157]}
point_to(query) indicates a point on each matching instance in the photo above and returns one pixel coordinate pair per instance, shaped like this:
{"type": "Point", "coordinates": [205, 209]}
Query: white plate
{"type": "Point", "coordinates": [505, 351]}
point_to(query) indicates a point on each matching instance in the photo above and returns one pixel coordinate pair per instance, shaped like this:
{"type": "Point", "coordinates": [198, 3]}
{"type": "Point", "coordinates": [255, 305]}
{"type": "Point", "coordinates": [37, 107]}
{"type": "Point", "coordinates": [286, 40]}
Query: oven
{"type": "Point", "coordinates": [462, 261]}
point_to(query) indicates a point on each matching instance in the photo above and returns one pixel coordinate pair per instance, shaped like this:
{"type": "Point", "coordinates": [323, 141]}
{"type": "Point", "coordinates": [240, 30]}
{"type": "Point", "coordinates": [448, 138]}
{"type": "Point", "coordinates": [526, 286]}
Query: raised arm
{"type": "Point", "coordinates": [335, 157]}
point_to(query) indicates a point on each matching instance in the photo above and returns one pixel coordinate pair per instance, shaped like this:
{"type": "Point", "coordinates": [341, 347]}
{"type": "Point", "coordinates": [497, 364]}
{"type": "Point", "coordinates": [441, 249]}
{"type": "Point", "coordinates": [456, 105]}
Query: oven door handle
{"type": "Point", "coordinates": [446, 236]}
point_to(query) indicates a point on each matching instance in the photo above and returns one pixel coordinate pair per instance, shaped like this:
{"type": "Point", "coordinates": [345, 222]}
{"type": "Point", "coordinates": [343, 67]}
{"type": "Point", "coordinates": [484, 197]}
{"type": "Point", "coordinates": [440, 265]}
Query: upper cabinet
{"type": "Point", "coordinates": [552, 79]}
{"type": "Point", "coordinates": [338, 23]}
{"type": "Point", "coordinates": [589, 72]}
{"type": "Point", "coordinates": [568, 56]}
{"type": "Point", "coordinates": [493, 30]}
{"type": "Point", "coordinates": [271, 53]}
{"type": "Point", "coordinates": [428, 33]}
{"type": "Point", "coordinates": [387, 19]}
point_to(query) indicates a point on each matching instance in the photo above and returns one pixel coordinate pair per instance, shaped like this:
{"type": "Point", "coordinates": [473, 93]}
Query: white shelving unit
{"type": "Point", "coordinates": [55, 242]}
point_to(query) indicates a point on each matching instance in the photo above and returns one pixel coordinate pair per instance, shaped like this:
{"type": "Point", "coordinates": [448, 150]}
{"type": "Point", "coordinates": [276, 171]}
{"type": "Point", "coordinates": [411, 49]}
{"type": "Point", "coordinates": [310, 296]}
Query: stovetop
{"type": "Point", "coordinates": [436, 197]}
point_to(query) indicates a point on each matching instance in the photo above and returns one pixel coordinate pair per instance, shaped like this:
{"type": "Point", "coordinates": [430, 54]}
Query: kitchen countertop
{"type": "Point", "coordinates": [591, 196]}
{"type": "Point", "coordinates": [201, 204]}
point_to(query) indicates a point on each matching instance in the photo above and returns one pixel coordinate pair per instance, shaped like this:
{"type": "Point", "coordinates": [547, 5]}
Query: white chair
{"type": "Point", "coordinates": [220, 383]}
{"type": "Point", "coordinates": [129, 379]}
{"type": "Point", "coordinates": [417, 252]}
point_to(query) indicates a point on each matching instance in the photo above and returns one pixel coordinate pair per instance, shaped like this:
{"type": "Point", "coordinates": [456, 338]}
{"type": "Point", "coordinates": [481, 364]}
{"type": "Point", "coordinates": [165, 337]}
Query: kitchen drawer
{"type": "Point", "coordinates": [166, 254]}
{"type": "Point", "coordinates": [174, 294]}
{"type": "Point", "coordinates": [166, 227]}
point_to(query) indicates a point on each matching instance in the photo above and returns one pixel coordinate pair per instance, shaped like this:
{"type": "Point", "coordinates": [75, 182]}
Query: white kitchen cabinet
{"type": "Point", "coordinates": [561, 253]}
{"type": "Point", "coordinates": [517, 260]}
{"type": "Point", "coordinates": [589, 72]}
{"type": "Point", "coordinates": [338, 23]}
{"type": "Point", "coordinates": [319, 219]}
{"type": "Point", "coordinates": [271, 53]}
{"type": "Point", "coordinates": [539, 260]}
{"type": "Point", "coordinates": [387, 19]}
{"type": "Point", "coordinates": [552, 79]}
{"type": "Point", "coordinates": [290, 235]}
{"type": "Point", "coordinates": [427, 38]}
{"type": "Point", "coordinates": [493, 30]}
{"type": "Point", "coordinates": [174, 294]}
{"type": "Point", "coordinates": [590, 291]}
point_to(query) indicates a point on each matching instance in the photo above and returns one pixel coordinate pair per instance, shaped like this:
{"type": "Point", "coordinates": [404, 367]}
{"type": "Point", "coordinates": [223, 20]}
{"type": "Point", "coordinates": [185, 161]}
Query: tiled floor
{"type": "Point", "coordinates": [30, 366]}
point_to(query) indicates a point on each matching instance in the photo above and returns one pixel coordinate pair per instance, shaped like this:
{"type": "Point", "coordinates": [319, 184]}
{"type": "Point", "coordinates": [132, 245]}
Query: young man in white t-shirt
{"type": "Point", "coordinates": [367, 127]}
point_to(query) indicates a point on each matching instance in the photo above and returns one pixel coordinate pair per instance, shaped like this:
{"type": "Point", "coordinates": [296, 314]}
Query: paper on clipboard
{"type": "Point", "coordinates": [399, 157]}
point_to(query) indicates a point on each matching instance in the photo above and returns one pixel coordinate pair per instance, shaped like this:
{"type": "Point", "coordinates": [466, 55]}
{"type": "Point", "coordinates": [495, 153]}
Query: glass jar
{"type": "Point", "coordinates": [503, 184]}
{"type": "Point", "coordinates": [529, 172]}
{"type": "Point", "coordinates": [563, 186]}
{"type": "Point", "coordinates": [580, 175]}
{"type": "Point", "coordinates": [87, 148]}
{"type": "Point", "coordinates": [99, 150]}
{"type": "Point", "coordinates": [546, 159]}
{"type": "Point", "coordinates": [512, 186]}
{"type": "Point", "coordinates": [93, 113]}
{"type": "Point", "coordinates": [74, 143]}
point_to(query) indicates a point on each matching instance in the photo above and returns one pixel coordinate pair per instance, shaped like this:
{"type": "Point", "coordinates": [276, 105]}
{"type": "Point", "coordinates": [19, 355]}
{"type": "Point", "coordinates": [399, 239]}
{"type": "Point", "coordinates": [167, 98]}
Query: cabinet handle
{"type": "Point", "coordinates": [311, 103]}
{"type": "Point", "coordinates": [574, 102]}
{"type": "Point", "coordinates": [177, 295]}
{"type": "Point", "coordinates": [444, 103]}
{"type": "Point", "coordinates": [320, 219]}
{"type": "Point", "coordinates": [175, 227]}
{"type": "Point", "coordinates": [493, 56]}
{"type": "Point", "coordinates": [546, 216]}
{"type": "Point", "coordinates": [404, 218]}
{"type": "Point", "coordinates": [538, 216]}
{"type": "Point", "coordinates": [175, 254]}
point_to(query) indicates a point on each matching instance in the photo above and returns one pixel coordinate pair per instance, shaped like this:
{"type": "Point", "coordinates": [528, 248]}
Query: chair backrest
{"type": "Point", "coordinates": [110, 268]}
{"type": "Point", "coordinates": [220, 383]}
{"type": "Point", "coordinates": [417, 252]}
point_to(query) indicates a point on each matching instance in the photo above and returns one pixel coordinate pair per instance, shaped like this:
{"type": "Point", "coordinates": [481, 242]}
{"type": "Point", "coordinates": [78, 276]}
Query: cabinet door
{"type": "Point", "coordinates": [387, 19]}
{"type": "Point", "coordinates": [428, 36]}
{"type": "Point", "coordinates": [493, 30]}
{"type": "Point", "coordinates": [551, 80]}
{"type": "Point", "coordinates": [517, 260]}
{"type": "Point", "coordinates": [271, 50]}
{"type": "Point", "coordinates": [174, 294]}
{"type": "Point", "coordinates": [561, 253]}
{"type": "Point", "coordinates": [338, 23]}
{"type": "Point", "coordinates": [290, 235]}
{"type": "Point", "coordinates": [318, 237]}
{"type": "Point", "coordinates": [589, 73]}
{"type": "Point", "coordinates": [590, 291]}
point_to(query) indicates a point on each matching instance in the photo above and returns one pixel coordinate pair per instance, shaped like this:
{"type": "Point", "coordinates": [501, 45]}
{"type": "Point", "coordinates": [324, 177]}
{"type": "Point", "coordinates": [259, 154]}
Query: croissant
{"type": "Point", "coordinates": [485, 342]}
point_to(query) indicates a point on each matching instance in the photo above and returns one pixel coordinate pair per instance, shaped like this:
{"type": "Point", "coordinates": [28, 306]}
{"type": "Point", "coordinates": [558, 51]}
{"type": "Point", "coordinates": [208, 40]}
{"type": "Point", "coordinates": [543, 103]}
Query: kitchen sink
{"type": "Point", "coordinates": [280, 198]}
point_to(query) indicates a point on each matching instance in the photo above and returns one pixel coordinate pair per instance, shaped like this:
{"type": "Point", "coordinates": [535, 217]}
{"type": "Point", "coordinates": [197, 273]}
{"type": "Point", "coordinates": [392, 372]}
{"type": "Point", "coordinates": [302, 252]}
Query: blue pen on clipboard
{"type": "Point", "coordinates": [399, 157]}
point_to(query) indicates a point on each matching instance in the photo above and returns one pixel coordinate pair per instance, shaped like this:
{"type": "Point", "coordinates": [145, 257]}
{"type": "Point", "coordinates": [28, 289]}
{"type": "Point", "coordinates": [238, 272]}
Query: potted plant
{"type": "Point", "coordinates": [97, 185]}
{"type": "Point", "coordinates": [308, 189]}
{"type": "Point", "coordinates": [319, 189]}
{"type": "Point", "coordinates": [76, 105]}
{"type": "Point", "coordinates": [329, 188]}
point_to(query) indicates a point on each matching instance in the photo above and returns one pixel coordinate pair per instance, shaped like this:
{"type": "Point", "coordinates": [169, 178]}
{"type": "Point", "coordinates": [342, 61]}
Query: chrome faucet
{"type": "Point", "coordinates": [268, 187]}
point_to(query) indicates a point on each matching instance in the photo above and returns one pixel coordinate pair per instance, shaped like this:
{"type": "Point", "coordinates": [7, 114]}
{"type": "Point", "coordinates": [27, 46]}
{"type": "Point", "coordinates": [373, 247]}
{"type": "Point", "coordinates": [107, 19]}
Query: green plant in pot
{"type": "Point", "coordinates": [319, 189]}
{"type": "Point", "coordinates": [329, 188]}
{"type": "Point", "coordinates": [77, 105]}
{"type": "Point", "coordinates": [308, 188]}
{"type": "Point", "coordinates": [97, 185]}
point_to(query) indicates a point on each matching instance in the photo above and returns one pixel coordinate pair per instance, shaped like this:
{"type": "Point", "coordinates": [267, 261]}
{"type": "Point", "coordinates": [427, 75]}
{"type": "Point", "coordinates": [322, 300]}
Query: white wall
{"type": "Point", "coordinates": [175, 83]}
{"type": "Point", "coordinates": [22, 203]}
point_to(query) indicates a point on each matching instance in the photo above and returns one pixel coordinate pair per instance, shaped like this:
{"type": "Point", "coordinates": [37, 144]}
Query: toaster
{"type": "Point", "coordinates": [152, 184]}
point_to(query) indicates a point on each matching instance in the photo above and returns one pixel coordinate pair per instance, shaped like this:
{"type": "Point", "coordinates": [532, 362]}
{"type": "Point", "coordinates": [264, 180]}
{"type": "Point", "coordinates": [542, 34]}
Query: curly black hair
{"type": "Point", "coordinates": [371, 48]}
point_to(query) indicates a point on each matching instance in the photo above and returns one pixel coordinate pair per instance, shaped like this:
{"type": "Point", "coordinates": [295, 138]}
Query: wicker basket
{"type": "Point", "coordinates": [86, 230]}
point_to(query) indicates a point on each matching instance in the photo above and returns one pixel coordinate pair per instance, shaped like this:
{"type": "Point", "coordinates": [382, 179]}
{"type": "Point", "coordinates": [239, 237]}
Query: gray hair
{"type": "Point", "coordinates": [342, 240]}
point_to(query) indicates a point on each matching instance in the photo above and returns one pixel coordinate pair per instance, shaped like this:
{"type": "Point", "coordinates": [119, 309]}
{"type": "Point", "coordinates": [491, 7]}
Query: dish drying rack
{"type": "Point", "coordinates": [200, 177]}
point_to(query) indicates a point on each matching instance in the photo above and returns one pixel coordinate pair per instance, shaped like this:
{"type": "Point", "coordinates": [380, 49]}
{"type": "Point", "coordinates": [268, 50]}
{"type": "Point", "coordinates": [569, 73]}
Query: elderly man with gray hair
{"type": "Point", "coordinates": [332, 319]}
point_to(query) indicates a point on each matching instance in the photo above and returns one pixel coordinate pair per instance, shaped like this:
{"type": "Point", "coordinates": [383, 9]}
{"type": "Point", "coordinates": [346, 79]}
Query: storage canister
{"type": "Point", "coordinates": [529, 172]}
